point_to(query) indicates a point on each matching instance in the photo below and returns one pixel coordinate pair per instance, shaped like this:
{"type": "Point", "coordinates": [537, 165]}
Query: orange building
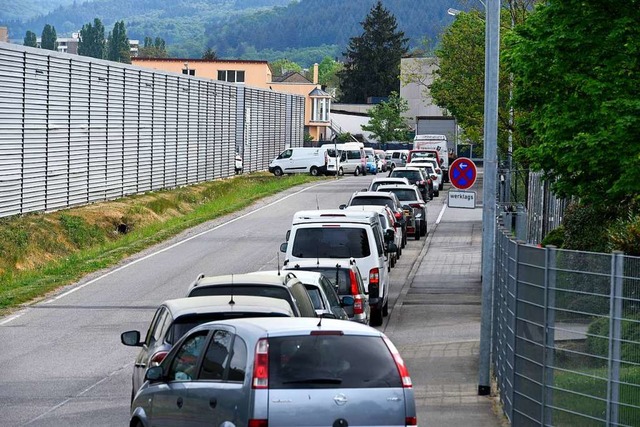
{"type": "Point", "coordinates": [256, 74]}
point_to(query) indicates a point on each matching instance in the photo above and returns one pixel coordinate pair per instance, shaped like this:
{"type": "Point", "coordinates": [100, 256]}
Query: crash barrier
{"type": "Point", "coordinates": [76, 130]}
{"type": "Point", "coordinates": [566, 335]}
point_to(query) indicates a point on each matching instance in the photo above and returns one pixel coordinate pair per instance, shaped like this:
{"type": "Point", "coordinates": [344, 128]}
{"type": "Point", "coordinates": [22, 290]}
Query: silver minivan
{"type": "Point", "coordinates": [264, 372]}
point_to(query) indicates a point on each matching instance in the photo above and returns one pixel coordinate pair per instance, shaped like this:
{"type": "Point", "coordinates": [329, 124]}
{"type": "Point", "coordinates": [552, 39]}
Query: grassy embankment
{"type": "Point", "coordinates": [42, 252]}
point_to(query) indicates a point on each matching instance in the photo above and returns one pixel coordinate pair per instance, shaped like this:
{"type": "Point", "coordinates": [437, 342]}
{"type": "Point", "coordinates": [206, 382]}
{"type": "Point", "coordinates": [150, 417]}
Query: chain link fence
{"type": "Point", "coordinates": [76, 130]}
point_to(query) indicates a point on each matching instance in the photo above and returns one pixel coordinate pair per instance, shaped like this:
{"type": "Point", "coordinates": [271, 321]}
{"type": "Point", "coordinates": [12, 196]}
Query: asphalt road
{"type": "Point", "coordinates": [62, 363]}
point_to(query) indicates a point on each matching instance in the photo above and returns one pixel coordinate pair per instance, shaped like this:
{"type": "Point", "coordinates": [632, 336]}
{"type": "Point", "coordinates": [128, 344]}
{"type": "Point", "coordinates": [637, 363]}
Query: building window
{"type": "Point", "coordinates": [231, 76]}
{"type": "Point", "coordinates": [320, 109]}
{"type": "Point", "coordinates": [189, 72]}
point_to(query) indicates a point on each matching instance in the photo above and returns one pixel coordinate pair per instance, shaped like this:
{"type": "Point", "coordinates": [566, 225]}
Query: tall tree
{"type": "Point", "coordinates": [373, 59]}
{"type": "Point", "coordinates": [118, 48]}
{"type": "Point", "coordinates": [577, 72]}
{"type": "Point", "coordinates": [328, 72]}
{"type": "Point", "coordinates": [92, 40]}
{"type": "Point", "coordinates": [210, 54]}
{"type": "Point", "coordinates": [283, 66]}
{"type": "Point", "coordinates": [30, 39]}
{"type": "Point", "coordinates": [386, 122]}
{"type": "Point", "coordinates": [153, 48]}
{"type": "Point", "coordinates": [48, 39]}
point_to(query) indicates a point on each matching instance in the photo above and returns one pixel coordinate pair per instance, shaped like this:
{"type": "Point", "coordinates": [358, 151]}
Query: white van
{"type": "Point", "coordinates": [434, 142]}
{"type": "Point", "coordinates": [340, 235]}
{"type": "Point", "coordinates": [352, 158]}
{"type": "Point", "coordinates": [311, 160]}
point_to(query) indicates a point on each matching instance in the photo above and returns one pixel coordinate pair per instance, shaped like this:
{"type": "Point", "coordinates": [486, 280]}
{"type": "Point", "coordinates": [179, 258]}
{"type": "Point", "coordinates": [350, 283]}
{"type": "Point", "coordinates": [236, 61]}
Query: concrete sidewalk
{"type": "Point", "coordinates": [435, 324]}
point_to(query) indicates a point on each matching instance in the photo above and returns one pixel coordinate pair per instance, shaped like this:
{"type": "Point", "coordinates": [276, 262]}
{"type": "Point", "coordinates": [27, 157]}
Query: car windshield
{"type": "Point", "coordinates": [331, 242]}
{"type": "Point", "coordinates": [280, 292]}
{"type": "Point", "coordinates": [331, 361]}
{"type": "Point", "coordinates": [184, 324]}
{"type": "Point", "coordinates": [371, 200]}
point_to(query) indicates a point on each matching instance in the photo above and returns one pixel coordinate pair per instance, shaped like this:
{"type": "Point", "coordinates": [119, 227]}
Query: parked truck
{"type": "Point", "coordinates": [437, 143]}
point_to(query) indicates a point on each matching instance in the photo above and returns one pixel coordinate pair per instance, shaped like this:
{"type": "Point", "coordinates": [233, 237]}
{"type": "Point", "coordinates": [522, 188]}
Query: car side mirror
{"type": "Point", "coordinates": [392, 247]}
{"type": "Point", "coordinates": [286, 238]}
{"type": "Point", "coordinates": [283, 247]}
{"type": "Point", "coordinates": [348, 301]}
{"type": "Point", "coordinates": [154, 374]}
{"type": "Point", "coordinates": [342, 206]}
{"type": "Point", "coordinates": [131, 338]}
{"type": "Point", "coordinates": [389, 235]}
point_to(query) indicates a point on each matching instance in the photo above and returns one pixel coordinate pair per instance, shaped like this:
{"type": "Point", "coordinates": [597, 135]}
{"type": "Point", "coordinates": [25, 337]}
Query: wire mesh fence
{"type": "Point", "coordinates": [566, 335]}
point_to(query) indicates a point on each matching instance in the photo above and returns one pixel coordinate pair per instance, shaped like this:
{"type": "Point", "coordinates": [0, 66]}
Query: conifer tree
{"type": "Point", "coordinates": [92, 40]}
{"type": "Point", "coordinates": [118, 48]}
{"type": "Point", "coordinates": [48, 40]}
{"type": "Point", "coordinates": [373, 59]}
{"type": "Point", "coordinates": [30, 39]}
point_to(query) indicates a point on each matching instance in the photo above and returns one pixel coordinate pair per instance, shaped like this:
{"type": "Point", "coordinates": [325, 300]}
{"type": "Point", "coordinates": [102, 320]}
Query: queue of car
{"type": "Point", "coordinates": [273, 347]}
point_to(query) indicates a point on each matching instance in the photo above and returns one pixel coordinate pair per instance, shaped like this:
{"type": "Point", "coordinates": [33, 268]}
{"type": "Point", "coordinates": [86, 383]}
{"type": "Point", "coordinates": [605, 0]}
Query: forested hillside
{"type": "Point", "coordinates": [303, 31]}
{"type": "Point", "coordinates": [26, 9]}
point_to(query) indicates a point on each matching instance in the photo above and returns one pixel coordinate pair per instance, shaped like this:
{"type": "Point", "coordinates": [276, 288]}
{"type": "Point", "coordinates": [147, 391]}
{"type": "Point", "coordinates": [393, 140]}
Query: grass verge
{"type": "Point", "coordinates": [40, 253]}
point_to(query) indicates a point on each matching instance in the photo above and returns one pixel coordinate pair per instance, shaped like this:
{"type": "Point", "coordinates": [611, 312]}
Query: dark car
{"type": "Point", "coordinates": [347, 281]}
{"type": "Point", "coordinates": [409, 195]}
{"type": "Point", "coordinates": [416, 177]}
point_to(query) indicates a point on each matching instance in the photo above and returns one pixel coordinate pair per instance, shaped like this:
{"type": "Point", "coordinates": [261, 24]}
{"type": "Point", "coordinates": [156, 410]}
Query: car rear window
{"type": "Point", "coordinates": [255, 290]}
{"type": "Point", "coordinates": [404, 194]}
{"type": "Point", "coordinates": [412, 176]}
{"type": "Point", "coordinates": [331, 361]}
{"type": "Point", "coordinates": [371, 200]}
{"type": "Point", "coordinates": [375, 185]}
{"type": "Point", "coordinates": [327, 242]}
{"type": "Point", "coordinates": [336, 275]}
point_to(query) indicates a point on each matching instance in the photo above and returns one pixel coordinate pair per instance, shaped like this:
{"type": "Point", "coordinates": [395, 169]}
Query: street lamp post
{"type": "Point", "coordinates": [490, 160]}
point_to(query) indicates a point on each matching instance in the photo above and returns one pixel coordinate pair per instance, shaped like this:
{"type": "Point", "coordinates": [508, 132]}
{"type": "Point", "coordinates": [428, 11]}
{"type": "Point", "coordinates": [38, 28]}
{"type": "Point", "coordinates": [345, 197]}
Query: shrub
{"type": "Point", "coordinates": [630, 347]}
{"type": "Point", "coordinates": [555, 237]}
{"type": "Point", "coordinates": [624, 235]}
{"type": "Point", "coordinates": [585, 226]}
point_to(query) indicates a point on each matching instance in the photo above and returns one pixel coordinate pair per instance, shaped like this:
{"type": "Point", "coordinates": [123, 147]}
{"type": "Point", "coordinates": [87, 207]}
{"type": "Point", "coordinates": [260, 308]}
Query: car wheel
{"type": "Point", "coordinates": [376, 318]}
{"type": "Point", "coordinates": [314, 171]}
{"type": "Point", "coordinates": [357, 171]}
{"type": "Point", "coordinates": [340, 172]}
{"type": "Point", "coordinates": [416, 234]}
{"type": "Point", "coordinates": [277, 171]}
{"type": "Point", "coordinates": [385, 309]}
{"type": "Point", "coordinates": [423, 229]}
{"type": "Point", "coordinates": [437, 193]}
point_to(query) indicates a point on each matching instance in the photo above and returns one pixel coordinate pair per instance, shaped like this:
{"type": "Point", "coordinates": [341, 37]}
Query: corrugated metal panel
{"type": "Point", "coordinates": [75, 130]}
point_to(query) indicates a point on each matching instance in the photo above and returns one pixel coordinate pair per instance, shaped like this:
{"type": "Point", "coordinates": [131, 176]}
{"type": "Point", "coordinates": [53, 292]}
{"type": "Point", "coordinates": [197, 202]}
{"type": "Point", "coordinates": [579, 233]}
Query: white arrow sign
{"type": "Point", "coordinates": [463, 165]}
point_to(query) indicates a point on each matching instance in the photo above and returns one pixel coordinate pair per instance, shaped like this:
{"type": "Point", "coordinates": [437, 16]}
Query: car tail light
{"type": "Point", "coordinates": [357, 305]}
{"type": "Point", "coordinates": [157, 358]}
{"type": "Point", "coordinates": [411, 421]}
{"type": "Point", "coordinates": [434, 177]}
{"type": "Point", "coordinates": [398, 215]}
{"type": "Point", "coordinates": [374, 276]}
{"type": "Point", "coordinates": [402, 368]}
{"type": "Point", "coordinates": [265, 423]}
{"type": "Point", "coordinates": [261, 367]}
{"type": "Point", "coordinates": [354, 283]}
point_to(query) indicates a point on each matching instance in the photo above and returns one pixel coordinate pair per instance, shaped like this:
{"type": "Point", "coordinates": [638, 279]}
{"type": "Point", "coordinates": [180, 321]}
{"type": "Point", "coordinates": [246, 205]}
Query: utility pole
{"type": "Point", "coordinates": [490, 160]}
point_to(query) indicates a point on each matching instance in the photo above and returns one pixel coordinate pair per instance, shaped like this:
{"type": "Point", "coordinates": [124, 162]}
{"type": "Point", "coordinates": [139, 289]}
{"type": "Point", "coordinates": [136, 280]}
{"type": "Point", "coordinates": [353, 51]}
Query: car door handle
{"type": "Point", "coordinates": [213, 402]}
{"type": "Point", "coordinates": [141, 365]}
{"type": "Point", "coordinates": [180, 402]}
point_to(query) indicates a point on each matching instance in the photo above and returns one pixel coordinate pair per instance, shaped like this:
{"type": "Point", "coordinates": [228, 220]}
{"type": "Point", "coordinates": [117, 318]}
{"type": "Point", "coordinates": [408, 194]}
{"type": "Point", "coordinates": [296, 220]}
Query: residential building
{"type": "Point", "coordinates": [256, 74]}
{"type": "Point", "coordinates": [70, 44]}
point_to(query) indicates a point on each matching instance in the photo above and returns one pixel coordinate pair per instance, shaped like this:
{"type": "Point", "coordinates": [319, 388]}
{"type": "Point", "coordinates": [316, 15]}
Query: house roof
{"type": "Point", "coordinates": [195, 60]}
{"type": "Point", "coordinates": [319, 93]}
{"type": "Point", "coordinates": [290, 77]}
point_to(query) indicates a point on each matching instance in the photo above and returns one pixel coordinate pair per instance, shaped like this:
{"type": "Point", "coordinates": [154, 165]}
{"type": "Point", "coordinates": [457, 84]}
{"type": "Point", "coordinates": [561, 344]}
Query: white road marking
{"type": "Point", "coordinates": [77, 288]}
{"type": "Point", "coordinates": [444, 207]}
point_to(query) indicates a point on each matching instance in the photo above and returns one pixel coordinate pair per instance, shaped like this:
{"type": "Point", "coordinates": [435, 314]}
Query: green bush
{"type": "Point", "coordinates": [555, 237]}
{"type": "Point", "coordinates": [630, 347]}
{"type": "Point", "coordinates": [585, 226]}
{"type": "Point", "coordinates": [624, 235]}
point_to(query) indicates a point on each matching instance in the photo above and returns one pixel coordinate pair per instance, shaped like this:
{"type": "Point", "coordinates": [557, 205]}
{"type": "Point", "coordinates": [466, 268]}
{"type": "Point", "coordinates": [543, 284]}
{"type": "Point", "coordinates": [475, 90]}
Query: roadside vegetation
{"type": "Point", "coordinates": [40, 252]}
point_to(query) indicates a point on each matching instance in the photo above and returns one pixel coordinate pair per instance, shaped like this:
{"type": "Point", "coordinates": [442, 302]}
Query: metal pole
{"type": "Point", "coordinates": [492, 55]}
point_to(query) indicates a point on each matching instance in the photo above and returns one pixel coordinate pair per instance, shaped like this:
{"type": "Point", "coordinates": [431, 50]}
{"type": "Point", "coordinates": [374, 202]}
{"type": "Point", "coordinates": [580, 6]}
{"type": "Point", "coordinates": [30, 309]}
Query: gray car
{"type": "Point", "coordinates": [175, 317]}
{"type": "Point", "coordinates": [278, 372]}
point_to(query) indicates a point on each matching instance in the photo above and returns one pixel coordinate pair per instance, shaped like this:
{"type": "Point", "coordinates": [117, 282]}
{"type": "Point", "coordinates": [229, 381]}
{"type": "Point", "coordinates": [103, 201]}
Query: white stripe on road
{"type": "Point", "coordinates": [444, 207]}
{"type": "Point", "coordinates": [77, 288]}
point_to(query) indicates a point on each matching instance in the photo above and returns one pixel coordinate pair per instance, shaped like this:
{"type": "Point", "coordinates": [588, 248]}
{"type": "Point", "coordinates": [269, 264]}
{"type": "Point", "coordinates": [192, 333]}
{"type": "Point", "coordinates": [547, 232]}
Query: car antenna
{"type": "Point", "coordinates": [319, 325]}
{"type": "Point", "coordinates": [231, 301]}
{"type": "Point", "coordinates": [317, 204]}
{"type": "Point", "coordinates": [278, 262]}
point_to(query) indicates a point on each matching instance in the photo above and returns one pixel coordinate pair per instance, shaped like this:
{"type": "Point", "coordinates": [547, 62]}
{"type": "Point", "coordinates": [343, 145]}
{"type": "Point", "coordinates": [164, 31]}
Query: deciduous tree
{"type": "Point", "coordinates": [577, 72]}
{"type": "Point", "coordinates": [30, 39]}
{"type": "Point", "coordinates": [372, 65]}
{"type": "Point", "coordinates": [48, 38]}
{"type": "Point", "coordinates": [154, 48]}
{"type": "Point", "coordinates": [92, 40]}
{"type": "Point", "coordinates": [118, 48]}
{"type": "Point", "coordinates": [386, 122]}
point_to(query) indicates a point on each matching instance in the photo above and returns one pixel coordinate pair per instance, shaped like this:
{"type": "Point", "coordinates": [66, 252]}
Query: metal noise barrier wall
{"type": "Point", "coordinates": [566, 336]}
{"type": "Point", "coordinates": [76, 130]}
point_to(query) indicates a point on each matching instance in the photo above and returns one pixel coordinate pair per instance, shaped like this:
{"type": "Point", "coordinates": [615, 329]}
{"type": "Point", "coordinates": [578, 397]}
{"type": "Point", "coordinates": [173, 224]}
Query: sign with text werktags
{"type": "Point", "coordinates": [462, 199]}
